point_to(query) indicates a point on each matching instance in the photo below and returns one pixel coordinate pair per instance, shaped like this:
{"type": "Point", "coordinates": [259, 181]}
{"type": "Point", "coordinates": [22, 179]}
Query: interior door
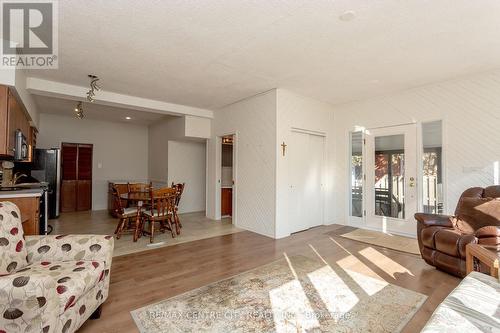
{"type": "Point", "coordinates": [306, 167]}
{"type": "Point", "coordinates": [76, 182]}
{"type": "Point", "coordinates": [84, 187]}
{"type": "Point", "coordinates": [391, 179]}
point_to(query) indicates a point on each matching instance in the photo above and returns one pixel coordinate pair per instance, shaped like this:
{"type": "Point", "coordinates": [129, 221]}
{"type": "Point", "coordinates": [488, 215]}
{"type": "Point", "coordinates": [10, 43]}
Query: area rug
{"type": "Point", "coordinates": [296, 294]}
{"type": "Point", "coordinates": [390, 241]}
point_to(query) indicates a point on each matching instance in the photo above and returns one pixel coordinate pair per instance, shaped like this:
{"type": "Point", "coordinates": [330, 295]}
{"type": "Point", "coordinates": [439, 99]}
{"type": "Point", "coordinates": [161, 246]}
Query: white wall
{"type": "Point", "coordinates": [253, 120]}
{"type": "Point", "coordinates": [121, 149]}
{"type": "Point", "coordinates": [470, 110]}
{"type": "Point", "coordinates": [298, 112]}
{"type": "Point", "coordinates": [187, 164]}
{"type": "Point", "coordinates": [174, 157]}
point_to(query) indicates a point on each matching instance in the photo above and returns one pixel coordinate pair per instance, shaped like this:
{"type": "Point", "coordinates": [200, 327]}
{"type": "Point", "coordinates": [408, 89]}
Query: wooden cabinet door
{"type": "Point", "coordinates": [30, 212]}
{"type": "Point", "coordinates": [226, 201]}
{"type": "Point", "coordinates": [4, 93]}
{"type": "Point", "coordinates": [14, 123]}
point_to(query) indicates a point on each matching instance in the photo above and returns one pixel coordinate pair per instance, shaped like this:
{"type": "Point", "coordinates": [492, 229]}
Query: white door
{"type": "Point", "coordinates": [307, 155]}
{"type": "Point", "coordinates": [391, 179]}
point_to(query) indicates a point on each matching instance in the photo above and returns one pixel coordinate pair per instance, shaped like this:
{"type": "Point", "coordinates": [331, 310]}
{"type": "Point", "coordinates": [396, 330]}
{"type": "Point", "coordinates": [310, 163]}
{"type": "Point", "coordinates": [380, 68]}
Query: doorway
{"type": "Point", "coordinates": [76, 177]}
{"type": "Point", "coordinates": [391, 179]}
{"type": "Point", "coordinates": [227, 176]}
{"type": "Point", "coordinates": [306, 168]}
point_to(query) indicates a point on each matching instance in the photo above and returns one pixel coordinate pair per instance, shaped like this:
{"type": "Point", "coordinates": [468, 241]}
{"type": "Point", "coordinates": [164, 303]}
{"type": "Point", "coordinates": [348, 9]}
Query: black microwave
{"type": "Point", "coordinates": [21, 147]}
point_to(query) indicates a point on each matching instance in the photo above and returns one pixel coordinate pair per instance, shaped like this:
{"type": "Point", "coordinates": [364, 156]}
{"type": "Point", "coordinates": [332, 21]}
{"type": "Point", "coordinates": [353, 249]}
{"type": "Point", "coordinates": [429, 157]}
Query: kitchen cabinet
{"type": "Point", "coordinates": [226, 202]}
{"type": "Point", "coordinates": [13, 116]}
{"type": "Point", "coordinates": [30, 213]}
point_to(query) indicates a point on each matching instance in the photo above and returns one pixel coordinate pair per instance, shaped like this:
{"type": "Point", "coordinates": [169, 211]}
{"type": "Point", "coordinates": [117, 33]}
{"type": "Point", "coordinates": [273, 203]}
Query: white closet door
{"type": "Point", "coordinates": [306, 180]}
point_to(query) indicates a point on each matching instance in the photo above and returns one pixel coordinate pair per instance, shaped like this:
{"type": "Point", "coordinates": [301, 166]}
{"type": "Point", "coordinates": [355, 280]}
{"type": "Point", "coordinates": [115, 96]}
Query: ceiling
{"type": "Point", "coordinates": [95, 111]}
{"type": "Point", "coordinates": [211, 53]}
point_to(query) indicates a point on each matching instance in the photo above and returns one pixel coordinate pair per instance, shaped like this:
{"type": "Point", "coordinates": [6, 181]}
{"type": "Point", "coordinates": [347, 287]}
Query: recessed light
{"type": "Point", "coordinates": [128, 118]}
{"type": "Point", "coordinates": [348, 15]}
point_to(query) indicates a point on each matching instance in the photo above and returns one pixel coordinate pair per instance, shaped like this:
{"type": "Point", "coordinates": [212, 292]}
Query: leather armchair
{"type": "Point", "coordinates": [442, 239]}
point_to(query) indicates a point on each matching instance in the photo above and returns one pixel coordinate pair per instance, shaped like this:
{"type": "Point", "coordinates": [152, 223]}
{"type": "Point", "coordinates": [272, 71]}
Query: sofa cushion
{"type": "Point", "coordinates": [471, 307]}
{"type": "Point", "coordinates": [73, 279]}
{"type": "Point", "coordinates": [428, 235]}
{"type": "Point", "coordinates": [476, 213]}
{"type": "Point", "coordinates": [12, 246]}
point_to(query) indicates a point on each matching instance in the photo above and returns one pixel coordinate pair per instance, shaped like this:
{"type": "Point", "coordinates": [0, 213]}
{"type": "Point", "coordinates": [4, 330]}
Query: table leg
{"type": "Point", "coordinates": [469, 261]}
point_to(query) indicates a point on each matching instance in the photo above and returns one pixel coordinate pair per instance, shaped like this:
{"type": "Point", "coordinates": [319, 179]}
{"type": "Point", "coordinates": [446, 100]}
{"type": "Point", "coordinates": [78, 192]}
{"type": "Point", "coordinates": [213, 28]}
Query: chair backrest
{"type": "Point", "coordinates": [179, 189]}
{"type": "Point", "coordinates": [162, 201]}
{"type": "Point", "coordinates": [117, 201]}
{"type": "Point", "coordinates": [139, 187]}
{"type": "Point", "coordinates": [478, 207]}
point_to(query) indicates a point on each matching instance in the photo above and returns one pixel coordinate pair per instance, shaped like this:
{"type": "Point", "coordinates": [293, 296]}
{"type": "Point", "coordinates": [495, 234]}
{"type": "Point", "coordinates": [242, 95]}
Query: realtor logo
{"type": "Point", "coordinates": [29, 34]}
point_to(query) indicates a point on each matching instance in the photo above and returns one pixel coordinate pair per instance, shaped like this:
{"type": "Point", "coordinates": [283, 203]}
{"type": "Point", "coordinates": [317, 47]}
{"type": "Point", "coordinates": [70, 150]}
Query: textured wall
{"type": "Point", "coordinates": [470, 110]}
{"type": "Point", "coordinates": [295, 111]}
{"type": "Point", "coordinates": [254, 121]}
{"type": "Point", "coordinates": [187, 164]}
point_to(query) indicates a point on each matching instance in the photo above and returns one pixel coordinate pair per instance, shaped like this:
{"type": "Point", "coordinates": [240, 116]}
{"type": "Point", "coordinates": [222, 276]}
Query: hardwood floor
{"type": "Point", "coordinates": [143, 278]}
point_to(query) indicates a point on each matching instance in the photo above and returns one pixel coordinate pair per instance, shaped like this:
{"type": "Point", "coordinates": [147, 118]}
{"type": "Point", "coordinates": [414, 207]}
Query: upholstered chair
{"type": "Point", "coordinates": [442, 239]}
{"type": "Point", "coordinates": [50, 283]}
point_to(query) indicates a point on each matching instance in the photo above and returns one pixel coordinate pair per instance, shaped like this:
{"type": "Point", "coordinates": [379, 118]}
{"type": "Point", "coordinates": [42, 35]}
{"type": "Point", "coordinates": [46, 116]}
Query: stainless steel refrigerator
{"type": "Point", "coordinates": [47, 168]}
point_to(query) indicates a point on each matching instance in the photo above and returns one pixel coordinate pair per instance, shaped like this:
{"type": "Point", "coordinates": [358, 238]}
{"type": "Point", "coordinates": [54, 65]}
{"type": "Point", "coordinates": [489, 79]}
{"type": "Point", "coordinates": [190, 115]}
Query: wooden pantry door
{"type": "Point", "coordinates": [76, 183]}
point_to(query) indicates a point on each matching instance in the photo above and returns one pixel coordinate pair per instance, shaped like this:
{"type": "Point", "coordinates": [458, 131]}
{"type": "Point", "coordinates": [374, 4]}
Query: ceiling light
{"type": "Point", "coordinates": [79, 110]}
{"type": "Point", "coordinates": [93, 87]}
{"type": "Point", "coordinates": [348, 15]}
{"type": "Point", "coordinates": [128, 118]}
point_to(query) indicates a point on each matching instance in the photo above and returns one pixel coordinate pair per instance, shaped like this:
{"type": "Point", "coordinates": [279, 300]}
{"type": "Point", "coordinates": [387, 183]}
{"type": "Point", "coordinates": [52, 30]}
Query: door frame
{"type": "Point", "coordinates": [218, 173]}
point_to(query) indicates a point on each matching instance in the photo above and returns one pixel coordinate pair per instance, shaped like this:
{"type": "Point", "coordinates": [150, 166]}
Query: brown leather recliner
{"type": "Point", "coordinates": [442, 239]}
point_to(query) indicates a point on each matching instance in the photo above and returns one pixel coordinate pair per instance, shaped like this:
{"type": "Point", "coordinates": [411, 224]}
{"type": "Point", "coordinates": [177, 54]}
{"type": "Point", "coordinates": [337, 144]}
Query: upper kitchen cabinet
{"type": "Point", "coordinates": [13, 117]}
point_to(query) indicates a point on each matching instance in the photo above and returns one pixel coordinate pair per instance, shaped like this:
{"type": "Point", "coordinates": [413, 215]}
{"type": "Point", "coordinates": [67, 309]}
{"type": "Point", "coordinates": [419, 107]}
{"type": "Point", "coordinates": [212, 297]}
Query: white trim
{"type": "Point", "coordinates": [73, 92]}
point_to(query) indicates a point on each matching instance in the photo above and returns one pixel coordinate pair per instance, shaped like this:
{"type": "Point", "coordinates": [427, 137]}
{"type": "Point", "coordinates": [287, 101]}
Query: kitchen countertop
{"type": "Point", "coordinates": [28, 193]}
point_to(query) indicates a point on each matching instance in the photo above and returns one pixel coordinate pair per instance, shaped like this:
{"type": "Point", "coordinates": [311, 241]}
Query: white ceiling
{"type": "Point", "coordinates": [66, 107]}
{"type": "Point", "coordinates": [211, 53]}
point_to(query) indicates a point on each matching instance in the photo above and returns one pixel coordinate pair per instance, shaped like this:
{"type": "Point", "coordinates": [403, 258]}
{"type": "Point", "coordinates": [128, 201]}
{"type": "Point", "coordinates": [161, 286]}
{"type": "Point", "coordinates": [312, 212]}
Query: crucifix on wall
{"type": "Point", "coordinates": [283, 147]}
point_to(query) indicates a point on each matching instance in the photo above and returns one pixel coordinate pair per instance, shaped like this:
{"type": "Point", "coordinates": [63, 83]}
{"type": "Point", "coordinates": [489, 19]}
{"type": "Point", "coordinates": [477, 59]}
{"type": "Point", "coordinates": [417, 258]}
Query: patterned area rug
{"type": "Point", "coordinates": [296, 294]}
{"type": "Point", "coordinates": [390, 241]}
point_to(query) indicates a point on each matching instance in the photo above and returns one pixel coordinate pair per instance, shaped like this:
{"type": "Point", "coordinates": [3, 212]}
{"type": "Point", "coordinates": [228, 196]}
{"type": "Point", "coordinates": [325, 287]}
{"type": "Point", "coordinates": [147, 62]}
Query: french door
{"type": "Point", "coordinates": [391, 179]}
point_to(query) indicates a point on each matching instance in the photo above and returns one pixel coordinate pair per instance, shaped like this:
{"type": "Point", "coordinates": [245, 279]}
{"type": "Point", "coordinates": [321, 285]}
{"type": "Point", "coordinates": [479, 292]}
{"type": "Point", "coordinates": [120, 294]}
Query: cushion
{"type": "Point", "coordinates": [72, 278]}
{"type": "Point", "coordinates": [12, 246]}
{"type": "Point", "coordinates": [476, 213]}
{"type": "Point", "coordinates": [156, 213]}
{"type": "Point", "coordinates": [131, 211]}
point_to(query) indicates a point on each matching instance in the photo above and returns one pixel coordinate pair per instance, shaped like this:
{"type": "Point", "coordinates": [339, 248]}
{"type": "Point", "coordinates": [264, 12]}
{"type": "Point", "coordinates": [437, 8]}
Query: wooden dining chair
{"type": "Point", "coordinates": [125, 215]}
{"type": "Point", "coordinates": [161, 210]}
{"type": "Point", "coordinates": [179, 189]}
{"type": "Point", "coordinates": [133, 188]}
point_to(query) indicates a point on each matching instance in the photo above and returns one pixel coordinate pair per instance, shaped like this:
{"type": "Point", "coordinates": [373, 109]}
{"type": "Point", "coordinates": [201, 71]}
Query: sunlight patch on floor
{"type": "Point", "coordinates": [291, 309]}
{"type": "Point", "coordinates": [367, 279]}
{"type": "Point", "coordinates": [384, 263]}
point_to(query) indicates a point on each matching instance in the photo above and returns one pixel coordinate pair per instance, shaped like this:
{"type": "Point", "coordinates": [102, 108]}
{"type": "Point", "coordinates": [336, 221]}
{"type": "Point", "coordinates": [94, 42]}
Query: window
{"type": "Point", "coordinates": [432, 167]}
{"type": "Point", "coordinates": [356, 144]}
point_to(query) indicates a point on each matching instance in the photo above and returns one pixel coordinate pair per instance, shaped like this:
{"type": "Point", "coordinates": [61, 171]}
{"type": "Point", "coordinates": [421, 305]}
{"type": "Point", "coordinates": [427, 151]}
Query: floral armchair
{"type": "Point", "coordinates": [50, 283]}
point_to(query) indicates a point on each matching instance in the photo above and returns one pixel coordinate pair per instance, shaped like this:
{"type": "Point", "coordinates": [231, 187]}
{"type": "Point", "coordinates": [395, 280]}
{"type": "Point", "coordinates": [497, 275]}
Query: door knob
{"type": "Point", "coordinates": [412, 182]}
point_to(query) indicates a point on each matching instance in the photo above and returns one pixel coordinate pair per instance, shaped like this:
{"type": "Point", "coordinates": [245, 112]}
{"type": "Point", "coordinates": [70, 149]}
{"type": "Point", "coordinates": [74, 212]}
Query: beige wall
{"type": "Point", "coordinates": [120, 150]}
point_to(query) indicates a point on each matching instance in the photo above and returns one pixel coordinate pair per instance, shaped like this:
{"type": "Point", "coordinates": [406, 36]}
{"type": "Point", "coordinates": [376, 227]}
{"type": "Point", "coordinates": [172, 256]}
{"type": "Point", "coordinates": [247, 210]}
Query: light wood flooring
{"type": "Point", "coordinates": [195, 226]}
{"type": "Point", "coordinates": [147, 277]}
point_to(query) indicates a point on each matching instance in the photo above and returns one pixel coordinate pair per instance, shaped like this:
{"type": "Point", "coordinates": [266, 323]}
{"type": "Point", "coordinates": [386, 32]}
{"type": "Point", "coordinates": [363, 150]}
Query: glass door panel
{"type": "Point", "coordinates": [390, 176]}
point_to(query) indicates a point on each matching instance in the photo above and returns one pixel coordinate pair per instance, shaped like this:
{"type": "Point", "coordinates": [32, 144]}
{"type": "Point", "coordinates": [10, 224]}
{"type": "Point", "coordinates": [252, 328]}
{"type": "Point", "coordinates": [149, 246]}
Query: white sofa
{"type": "Point", "coordinates": [474, 306]}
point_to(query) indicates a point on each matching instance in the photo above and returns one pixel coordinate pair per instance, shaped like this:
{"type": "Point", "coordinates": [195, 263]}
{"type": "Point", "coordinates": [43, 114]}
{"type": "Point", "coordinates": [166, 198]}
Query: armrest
{"type": "Point", "coordinates": [429, 220]}
{"type": "Point", "coordinates": [70, 247]}
{"type": "Point", "coordinates": [488, 235]}
{"type": "Point", "coordinates": [28, 298]}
